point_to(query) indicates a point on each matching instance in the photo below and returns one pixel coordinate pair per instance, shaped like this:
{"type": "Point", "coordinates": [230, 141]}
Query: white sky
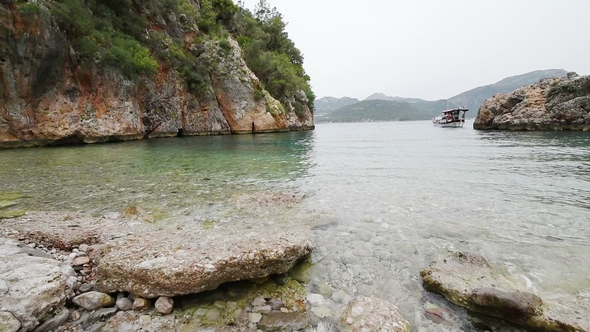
{"type": "Point", "coordinates": [432, 49]}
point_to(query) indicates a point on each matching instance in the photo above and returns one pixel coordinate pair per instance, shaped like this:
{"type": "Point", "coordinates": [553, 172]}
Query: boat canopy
{"type": "Point", "coordinates": [455, 109]}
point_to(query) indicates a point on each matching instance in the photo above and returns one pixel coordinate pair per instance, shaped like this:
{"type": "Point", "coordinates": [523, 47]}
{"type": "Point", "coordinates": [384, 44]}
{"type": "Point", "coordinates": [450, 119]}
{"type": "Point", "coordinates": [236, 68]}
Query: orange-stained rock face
{"type": "Point", "coordinates": [48, 98]}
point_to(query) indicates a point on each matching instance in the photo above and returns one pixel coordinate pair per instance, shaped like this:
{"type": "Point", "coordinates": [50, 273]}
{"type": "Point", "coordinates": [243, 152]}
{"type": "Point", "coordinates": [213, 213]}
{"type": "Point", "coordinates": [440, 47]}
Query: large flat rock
{"type": "Point", "coordinates": [32, 286]}
{"type": "Point", "coordinates": [152, 260]}
{"type": "Point", "coordinates": [469, 281]}
{"type": "Point", "coordinates": [170, 264]}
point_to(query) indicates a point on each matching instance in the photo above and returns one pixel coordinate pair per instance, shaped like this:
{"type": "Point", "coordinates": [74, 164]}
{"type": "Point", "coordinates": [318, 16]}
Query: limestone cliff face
{"type": "Point", "coordinates": [47, 98]}
{"type": "Point", "coordinates": [552, 104]}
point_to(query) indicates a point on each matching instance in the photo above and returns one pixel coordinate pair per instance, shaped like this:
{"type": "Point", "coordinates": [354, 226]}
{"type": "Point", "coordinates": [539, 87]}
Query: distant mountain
{"type": "Point", "coordinates": [381, 96]}
{"type": "Point", "coordinates": [327, 105]}
{"type": "Point", "coordinates": [375, 110]}
{"type": "Point", "coordinates": [380, 107]}
{"type": "Point", "coordinates": [473, 98]}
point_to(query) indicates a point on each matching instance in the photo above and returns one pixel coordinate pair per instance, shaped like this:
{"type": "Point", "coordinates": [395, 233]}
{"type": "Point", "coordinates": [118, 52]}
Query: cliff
{"type": "Point", "coordinates": [67, 80]}
{"type": "Point", "coordinates": [551, 104]}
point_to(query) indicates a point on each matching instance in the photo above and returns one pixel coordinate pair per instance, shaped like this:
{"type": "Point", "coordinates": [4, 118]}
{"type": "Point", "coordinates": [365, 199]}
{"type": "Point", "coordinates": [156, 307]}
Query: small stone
{"type": "Point", "coordinates": [124, 304]}
{"type": "Point", "coordinates": [71, 257]}
{"type": "Point", "coordinates": [145, 320]}
{"type": "Point", "coordinates": [322, 312]}
{"type": "Point", "coordinates": [276, 304]}
{"type": "Point", "coordinates": [83, 247]}
{"type": "Point", "coordinates": [94, 300]}
{"type": "Point", "coordinates": [164, 305]}
{"type": "Point", "coordinates": [315, 300]}
{"type": "Point", "coordinates": [8, 322]}
{"type": "Point", "coordinates": [32, 244]}
{"type": "Point", "coordinates": [323, 289]}
{"type": "Point", "coordinates": [255, 317]}
{"type": "Point", "coordinates": [284, 310]}
{"type": "Point", "coordinates": [258, 301]}
{"type": "Point", "coordinates": [281, 279]}
{"type": "Point", "coordinates": [81, 260]}
{"type": "Point", "coordinates": [75, 315]}
{"type": "Point", "coordinates": [265, 309]}
{"type": "Point", "coordinates": [341, 297]}
{"type": "Point", "coordinates": [141, 304]}
{"type": "Point", "coordinates": [212, 315]}
{"type": "Point", "coordinates": [349, 321]}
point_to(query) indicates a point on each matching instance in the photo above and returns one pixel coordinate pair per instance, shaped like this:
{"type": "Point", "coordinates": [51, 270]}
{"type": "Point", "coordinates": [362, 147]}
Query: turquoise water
{"type": "Point", "coordinates": [383, 199]}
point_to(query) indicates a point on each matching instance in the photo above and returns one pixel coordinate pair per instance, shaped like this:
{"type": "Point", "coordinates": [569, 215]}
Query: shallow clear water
{"type": "Point", "coordinates": [384, 199]}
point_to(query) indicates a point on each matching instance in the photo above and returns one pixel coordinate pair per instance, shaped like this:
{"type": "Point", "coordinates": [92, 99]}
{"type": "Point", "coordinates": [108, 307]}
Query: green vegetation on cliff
{"type": "Point", "coordinates": [143, 37]}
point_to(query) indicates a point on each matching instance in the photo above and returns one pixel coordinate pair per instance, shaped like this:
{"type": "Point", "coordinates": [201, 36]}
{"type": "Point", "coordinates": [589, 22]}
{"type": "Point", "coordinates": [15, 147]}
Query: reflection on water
{"type": "Point", "coordinates": [384, 199]}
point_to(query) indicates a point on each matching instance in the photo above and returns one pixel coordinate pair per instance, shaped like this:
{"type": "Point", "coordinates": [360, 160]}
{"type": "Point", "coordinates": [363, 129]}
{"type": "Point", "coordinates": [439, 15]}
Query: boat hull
{"type": "Point", "coordinates": [457, 124]}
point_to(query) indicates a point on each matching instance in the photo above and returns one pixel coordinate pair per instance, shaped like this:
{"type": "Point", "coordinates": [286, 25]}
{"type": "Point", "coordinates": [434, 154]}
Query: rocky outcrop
{"type": "Point", "coordinates": [47, 98]}
{"type": "Point", "coordinates": [469, 281]}
{"type": "Point", "coordinates": [33, 286]}
{"type": "Point", "coordinates": [561, 103]}
{"type": "Point", "coordinates": [131, 261]}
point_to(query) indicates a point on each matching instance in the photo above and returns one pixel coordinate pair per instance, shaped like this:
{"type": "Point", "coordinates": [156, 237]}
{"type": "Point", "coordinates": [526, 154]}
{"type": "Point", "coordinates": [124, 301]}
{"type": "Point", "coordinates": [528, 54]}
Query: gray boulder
{"type": "Point", "coordinates": [469, 281]}
{"type": "Point", "coordinates": [32, 286]}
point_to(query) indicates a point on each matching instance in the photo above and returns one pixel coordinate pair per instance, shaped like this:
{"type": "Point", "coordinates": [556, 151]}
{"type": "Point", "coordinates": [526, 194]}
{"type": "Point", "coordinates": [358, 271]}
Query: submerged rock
{"type": "Point", "coordinates": [559, 103]}
{"type": "Point", "coordinates": [469, 281]}
{"type": "Point", "coordinates": [279, 321]}
{"type": "Point", "coordinates": [372, 314]}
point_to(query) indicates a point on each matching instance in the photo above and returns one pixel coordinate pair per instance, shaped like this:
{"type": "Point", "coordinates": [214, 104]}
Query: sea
{"type": "Point", "coordinates": [383, 200]}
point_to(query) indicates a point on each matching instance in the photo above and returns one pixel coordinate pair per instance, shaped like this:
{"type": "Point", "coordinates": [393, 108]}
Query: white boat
{"type": "Point", "coordinates": [451, 118]}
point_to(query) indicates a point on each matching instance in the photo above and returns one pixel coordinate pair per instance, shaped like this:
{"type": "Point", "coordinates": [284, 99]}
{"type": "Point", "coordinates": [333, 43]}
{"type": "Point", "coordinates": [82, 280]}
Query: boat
{"type": "Point", "coordinates": [451, 118]}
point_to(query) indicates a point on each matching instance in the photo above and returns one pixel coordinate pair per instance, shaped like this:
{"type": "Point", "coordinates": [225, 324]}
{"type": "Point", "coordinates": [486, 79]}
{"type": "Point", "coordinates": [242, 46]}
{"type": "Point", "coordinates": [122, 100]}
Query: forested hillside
{"type": "Point", "coordinates": [54, 49]}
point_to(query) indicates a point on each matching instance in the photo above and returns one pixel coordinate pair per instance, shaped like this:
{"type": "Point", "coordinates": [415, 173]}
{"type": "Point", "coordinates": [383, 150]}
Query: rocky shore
{"type": "Point", "coordinates": [63, 271]}
{"type": "Point", "coordinates": [74, 272]}
{"type": "Point", "coordinates": [559, 103]}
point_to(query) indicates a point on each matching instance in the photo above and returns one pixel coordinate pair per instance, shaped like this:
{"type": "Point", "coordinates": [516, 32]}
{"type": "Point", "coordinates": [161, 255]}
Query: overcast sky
{"type": "Point", "coordinates": [432, 49]}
